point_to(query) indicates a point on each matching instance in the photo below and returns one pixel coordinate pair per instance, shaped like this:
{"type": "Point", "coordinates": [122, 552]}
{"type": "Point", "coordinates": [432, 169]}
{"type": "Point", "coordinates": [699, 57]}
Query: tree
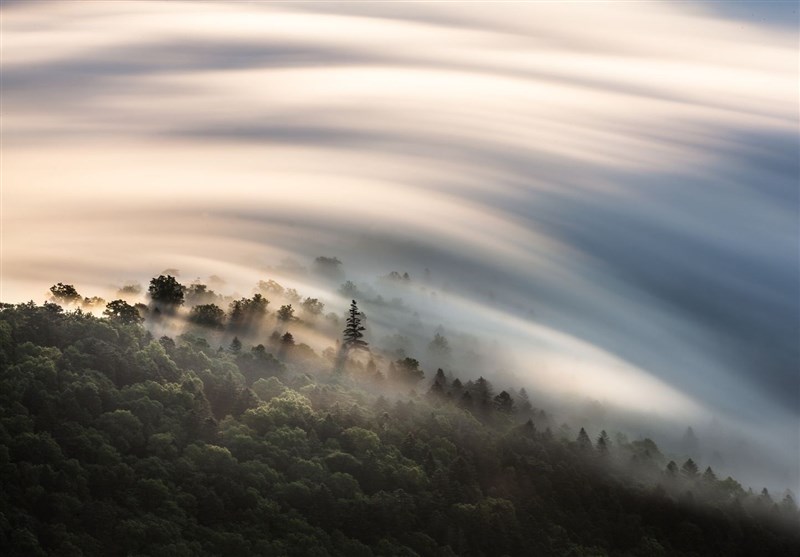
{"type": "Point", "coordinates": [672, 469]}
{"type": "Point", "coordinates": [583, 440]}
{"type": "Point", "coordinates": [166, 291]}
{"type": "Point", "coordinates": [312, 306]}
{"type": "Point", "coordinates": [93, 302]}
{"type": "Point", "coordinates": [482, 392]}
{"type": "Point", "coordinates": [207, 315]}
{"type": "Point", "coordinates": [286, 313]}
{"type": "Point", "coordinates": [504, 403]}
{"type": "Point", "coordinates": [436, 390]}
{"type": "Point", "coordinates": [439, 347]}
{"type": "Point", "coordinates": [287, 345]}
{"type": "Point", "coordinates": [197, 293]}
{"type": "Point", "coordinates": [236, 345]}
{"type": "Point", "coordinates": [122, 312]}
{"type": "Point", "coordinates": [349, 289]}
{"type": "Point", "coordinates": [689, 442]}
{"type": "Point", "coordinates": [65, 294]}
{"type": "Point", "coordinates": [603, 443]}
{"type": "Point", "coordinates": [354, 330]}
{"type": "Point", "coordinates": [689, 469]}
{"type": "Point", "coordinates": [328, 266]}
{"type": "Point", "coordinates": [525, 405]}
{"type": "Point", "coordinates": [247, 312]}
{"type": "Point", "coordinates": [270, 287]}
{"type": "Point", "coordinates": [406, 371]}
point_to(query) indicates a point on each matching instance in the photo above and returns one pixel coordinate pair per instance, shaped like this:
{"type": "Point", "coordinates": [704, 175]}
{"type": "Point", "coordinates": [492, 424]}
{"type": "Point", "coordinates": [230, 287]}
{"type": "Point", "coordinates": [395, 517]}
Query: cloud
{"type": "Point", "coordinates": [628, 172]}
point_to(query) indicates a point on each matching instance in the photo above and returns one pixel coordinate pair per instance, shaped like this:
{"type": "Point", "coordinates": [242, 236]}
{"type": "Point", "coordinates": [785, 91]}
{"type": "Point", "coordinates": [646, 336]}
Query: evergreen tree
{"type": "Point", "coordinates": [236, 345]}
{"type": "Point", "coordinates": [689, 469]}
{"type": "Point", "coordinates": [504, 403]}
{"type": "Point", "coordinates": [583, 440]}
{"type": "Point", "coordinates": [603, 443]}
{"type": "Point", "coordinates": [353, 332]}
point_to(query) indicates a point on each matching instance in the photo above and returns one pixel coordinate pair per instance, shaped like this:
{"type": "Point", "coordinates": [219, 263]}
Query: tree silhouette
{"type": "Point", "coordinates": [123, 312]}
{"type": "Point", "coordinates": [207, 315]}
{"type": "Point", "coordinates": [328, 266]}
{"type": "Point", "coordinates": [247, 312]}
{"type": "Point", "coordinates": [504, 403]}
{"type": "Point", "coordinates": [689, 469]}
{"type": "Point", "coordinates": [64, 293]}
{"type": "Point", "coordinates": [166, 291]}
{"type": "Point", "coordinates": [406, 371]}
{"type": "Point", "coordinates": [236, 345]}
{"type": "Point", "coordinates": [583, 440]}
{"type": "Point", "coordinates": [312, 306]}
{"type": "Point", "coordinates": [353, 331]}
{"type": "Point", "coordinates": [603, 443]}
{"type": "Point", "coordinates": [286, 313]}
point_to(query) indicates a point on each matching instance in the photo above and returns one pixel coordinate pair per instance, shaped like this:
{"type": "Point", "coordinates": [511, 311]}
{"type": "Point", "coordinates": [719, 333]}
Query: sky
{"type": "Point", "coordinates": [609, 189]}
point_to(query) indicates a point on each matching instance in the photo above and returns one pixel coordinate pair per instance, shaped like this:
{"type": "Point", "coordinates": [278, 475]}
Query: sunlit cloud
{"type": "Point", "coordinates": [624, 171]}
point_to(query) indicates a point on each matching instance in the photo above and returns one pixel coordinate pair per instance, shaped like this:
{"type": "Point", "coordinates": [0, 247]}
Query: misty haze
{"type": "Point", "coordinates": [399, 278]}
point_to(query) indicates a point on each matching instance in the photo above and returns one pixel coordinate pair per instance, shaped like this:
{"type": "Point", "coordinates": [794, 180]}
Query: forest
{"type": "Point", "coordinates": [173, 426]}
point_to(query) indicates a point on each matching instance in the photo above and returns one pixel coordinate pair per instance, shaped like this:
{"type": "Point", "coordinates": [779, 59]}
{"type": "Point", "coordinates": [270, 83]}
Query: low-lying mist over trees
{"type": "Point", "coordinates": [185, 421]}
{"type": "Point", "coordinates": [405, 327]}
{"type": "Point", "coordinates": [399, 278]}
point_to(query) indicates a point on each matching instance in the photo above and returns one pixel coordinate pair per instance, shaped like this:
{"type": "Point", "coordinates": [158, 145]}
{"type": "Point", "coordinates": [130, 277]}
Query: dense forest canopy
{"type": "Point", "coordinates": [185, 423]}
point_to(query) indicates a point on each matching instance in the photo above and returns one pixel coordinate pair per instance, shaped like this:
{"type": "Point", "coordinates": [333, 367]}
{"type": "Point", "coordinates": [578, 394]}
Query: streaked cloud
{"type": "Point", "coordinates": [626, 170]}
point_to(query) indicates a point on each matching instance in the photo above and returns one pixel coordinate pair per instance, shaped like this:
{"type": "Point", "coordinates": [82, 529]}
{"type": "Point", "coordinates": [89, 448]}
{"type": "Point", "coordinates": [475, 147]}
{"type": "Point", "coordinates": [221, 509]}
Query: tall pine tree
{"type": "Point", "coordinates": [353, 332]}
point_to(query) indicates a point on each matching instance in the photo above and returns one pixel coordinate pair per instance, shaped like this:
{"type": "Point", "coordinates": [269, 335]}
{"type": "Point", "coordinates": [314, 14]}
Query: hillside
{"type": "Point", "coordinates": [115, 442]}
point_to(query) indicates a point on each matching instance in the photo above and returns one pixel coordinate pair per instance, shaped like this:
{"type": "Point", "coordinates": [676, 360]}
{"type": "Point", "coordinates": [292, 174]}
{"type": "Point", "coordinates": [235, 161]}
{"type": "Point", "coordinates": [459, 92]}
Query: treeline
{"type": "Point", "coordinates": [113, 442]}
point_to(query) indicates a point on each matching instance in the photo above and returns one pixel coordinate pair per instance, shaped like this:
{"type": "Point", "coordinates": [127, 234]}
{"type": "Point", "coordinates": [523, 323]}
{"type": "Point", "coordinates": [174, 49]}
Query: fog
{"type": "Point", "coordinates": [604, 197]}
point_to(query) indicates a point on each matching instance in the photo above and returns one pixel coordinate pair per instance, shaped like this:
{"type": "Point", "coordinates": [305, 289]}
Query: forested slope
{"type": "Point", "coordinates": [113, 442]}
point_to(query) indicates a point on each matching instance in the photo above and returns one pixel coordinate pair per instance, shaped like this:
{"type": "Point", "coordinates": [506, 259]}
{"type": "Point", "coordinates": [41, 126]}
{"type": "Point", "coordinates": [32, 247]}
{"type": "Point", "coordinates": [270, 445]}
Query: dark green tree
{"type": "Point", "coordinates": [236, 345]}
{"type": "Point", "coordinates": [354, 330]}
{"type": "Point", "coordinates": [689, 469]}
{"type": "Point", "coordinates": [64, 294]}
{"type": "Point", "coordinates": [603, 443]}
{"type": "Point", "coordinates": [406, 371]}
{"type": "Point", "coordinates": [584, 442]}
{"type": "Point", "coordinates": [286, 313]}
{"type": "Point", "coordinates": [207, 315]}
{"type": "Point", "coordinates": [166, 292]}
{"type": "Point", "coordinates": [122, 312]}
{"type": "Point", "coordinates": [504, 403]}
{"type": "Point", "coordinates": [313, 307]}
{"type": "Point", "coordinates": [247, 313]}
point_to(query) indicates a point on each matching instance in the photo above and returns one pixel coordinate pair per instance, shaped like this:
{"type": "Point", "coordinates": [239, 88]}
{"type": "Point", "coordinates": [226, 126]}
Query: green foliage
{"type": "Point", "coordinates": [207, 315]}
{"type": "Point", "coordinates": [286, 312]}
{"type": "Point", "coordinates": [112, 443]}
{"type": "Point", "coordinates": [247, 313]}
{"type": "Point", "coordinates": [406, 372]}
{"type": "Point", "coordinates": [123, 312]}
{"type": "Point", "coordinates": [64, 294]}
{"type": "Point", "coordinates": [354, 330]}
{"type": "Point", "coordinates": [166, 292]}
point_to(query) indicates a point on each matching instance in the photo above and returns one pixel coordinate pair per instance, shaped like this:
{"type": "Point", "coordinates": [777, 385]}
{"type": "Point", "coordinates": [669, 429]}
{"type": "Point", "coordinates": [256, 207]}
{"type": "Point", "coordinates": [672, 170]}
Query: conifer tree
{"type": "Point", "coordinates": [353, 332]}
{"type": "Point", "coordinates": [583, 439]}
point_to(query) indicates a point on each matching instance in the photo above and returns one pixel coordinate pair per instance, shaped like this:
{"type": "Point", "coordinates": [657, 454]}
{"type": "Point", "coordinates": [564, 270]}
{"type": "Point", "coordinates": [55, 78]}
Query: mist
{"type": "Point", "coordinates": [599, 202]}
